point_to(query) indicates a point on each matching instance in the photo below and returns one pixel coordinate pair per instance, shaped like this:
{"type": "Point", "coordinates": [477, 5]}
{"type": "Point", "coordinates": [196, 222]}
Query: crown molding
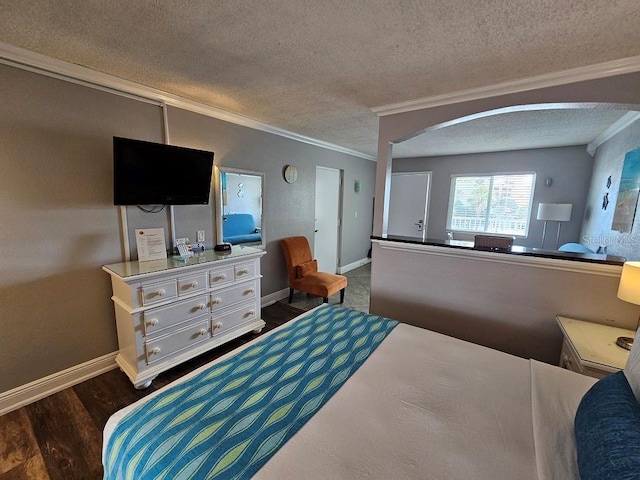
{"type": "Point", "coordinates": [579, 74]}
{"type": "Point", "coordinates": [616, 127]}
{"type": "Point", "coordinates": [62, 70]}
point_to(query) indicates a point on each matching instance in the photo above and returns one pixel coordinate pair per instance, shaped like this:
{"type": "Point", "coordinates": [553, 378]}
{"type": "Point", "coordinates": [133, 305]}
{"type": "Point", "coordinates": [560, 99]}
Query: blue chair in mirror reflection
{"type": "Point", "coordinates": [575, 248]}
{"type": "Point", "coordinates": [240, 228]}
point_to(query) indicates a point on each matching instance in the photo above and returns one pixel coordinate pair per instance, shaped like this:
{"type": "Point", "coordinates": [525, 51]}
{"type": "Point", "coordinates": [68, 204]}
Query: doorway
{"type": "Point", "coordinates": [327, 218]}
{"type": "Point", "coordinates": [409, 204]}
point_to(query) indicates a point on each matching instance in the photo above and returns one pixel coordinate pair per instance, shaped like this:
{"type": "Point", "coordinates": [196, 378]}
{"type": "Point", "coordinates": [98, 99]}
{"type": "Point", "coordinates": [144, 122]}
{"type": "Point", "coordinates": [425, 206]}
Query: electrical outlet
{"type": "Point", "coordinates": [200, 236]}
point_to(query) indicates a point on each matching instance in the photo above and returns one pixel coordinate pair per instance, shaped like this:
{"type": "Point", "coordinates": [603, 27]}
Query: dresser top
{"type": "Point", "coordinates": [596, 343]}
{"type": "Point", "coordinates": [135, 268]}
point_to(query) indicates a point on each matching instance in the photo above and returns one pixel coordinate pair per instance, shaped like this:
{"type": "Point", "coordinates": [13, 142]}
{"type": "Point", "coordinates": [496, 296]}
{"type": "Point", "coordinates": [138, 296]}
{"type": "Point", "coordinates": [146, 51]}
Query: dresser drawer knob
{"type": "Point", "coordinates": [218, 325]}
{"type": "Point", "coordinates": [153, 322]}
{"type": "Point", "coordinates": [250, 313]}
{"type": "Point", "coordinates": [160, 292]}
{"type": "Point", "coordinates": [201, 306]}
{"type": "Point", "coordinates": [194, 284]}
{"type": "Point", "coordinates": [222, 276]}
{"type": "Point", "coordinates": [249, 292]}
{"type": "Point", "coordinates": [203, 331]}
{"type": "Point", "coordinates": [243, 272]}
{"type": "Point", "coordinates": [216, 301]}
{"type": "Point", "coordinates": [155, 351]}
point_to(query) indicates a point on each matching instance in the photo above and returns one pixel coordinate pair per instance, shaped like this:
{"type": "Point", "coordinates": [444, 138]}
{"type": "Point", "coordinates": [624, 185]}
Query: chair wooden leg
{"type": "Point", "coordinates": [290, 295]}
{"type": "Point", "coordinates": [342, 296]}
{"type": "Point", "coordinates": [325, 299]}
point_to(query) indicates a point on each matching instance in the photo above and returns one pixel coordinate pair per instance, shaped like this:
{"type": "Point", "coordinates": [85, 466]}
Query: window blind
{"type": "Point", "coordinates": [498, 204]}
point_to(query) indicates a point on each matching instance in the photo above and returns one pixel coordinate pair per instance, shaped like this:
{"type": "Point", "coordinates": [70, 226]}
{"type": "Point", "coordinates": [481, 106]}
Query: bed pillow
{"type": "Point", "coordinates": [607, 428]}
{"type": "Point", "coordinates": [632, 369]}
{"type": "Point", "coordinates": [306, 268]}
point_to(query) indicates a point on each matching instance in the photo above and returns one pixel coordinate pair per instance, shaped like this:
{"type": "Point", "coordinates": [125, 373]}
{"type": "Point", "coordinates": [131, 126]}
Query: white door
{"type": "Point", "coordinates": [327, 226]}
{"type": "Point", "coordinates": [409, 204]}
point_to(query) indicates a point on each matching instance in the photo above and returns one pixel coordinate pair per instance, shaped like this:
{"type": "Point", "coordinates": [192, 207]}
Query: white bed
{"type": "Point", "coordinates": [425, 405]}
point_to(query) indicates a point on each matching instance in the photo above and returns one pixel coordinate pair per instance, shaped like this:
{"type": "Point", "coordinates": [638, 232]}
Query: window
{"type": "Point", "coordinates": [498, 204]}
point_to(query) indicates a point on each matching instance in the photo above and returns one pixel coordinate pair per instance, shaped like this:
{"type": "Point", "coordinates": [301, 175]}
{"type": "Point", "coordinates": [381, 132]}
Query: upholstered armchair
{"type": "Point", "coordinates": [303, 271]}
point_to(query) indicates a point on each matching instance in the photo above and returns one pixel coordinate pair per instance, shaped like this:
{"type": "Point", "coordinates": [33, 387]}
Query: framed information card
{"type": "Point", "coordinates": [151, 245]}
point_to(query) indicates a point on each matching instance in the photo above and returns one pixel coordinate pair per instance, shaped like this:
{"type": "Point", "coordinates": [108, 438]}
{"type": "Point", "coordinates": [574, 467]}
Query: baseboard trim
{"type": "Point", "coordinates": [354, 265]}
{"type": "Point", "coordinates": [54, 383]}
{"type": "Point", "coordinates": [274, 297]}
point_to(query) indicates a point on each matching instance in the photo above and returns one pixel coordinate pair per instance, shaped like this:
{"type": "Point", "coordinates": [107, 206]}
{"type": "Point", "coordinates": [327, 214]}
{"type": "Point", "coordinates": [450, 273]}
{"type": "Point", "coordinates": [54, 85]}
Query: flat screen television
{"type": "Point", "coordinates": [147, 173]}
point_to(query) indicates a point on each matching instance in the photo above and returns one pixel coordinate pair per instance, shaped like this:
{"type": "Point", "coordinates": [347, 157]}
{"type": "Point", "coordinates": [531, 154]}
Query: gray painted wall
{"type": "Point", "coordinates": [569, 167]}
{"type": "Point", "coordinates": [596, 230]}
{"type": "Point", "coordinates": [59, 224]}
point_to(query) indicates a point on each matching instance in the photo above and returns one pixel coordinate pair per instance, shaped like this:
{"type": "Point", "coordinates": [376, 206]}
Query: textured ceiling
{"type": "Point", "coordinates": [316, 67]}
{"type": "Point", "coordinates": [512, 131]}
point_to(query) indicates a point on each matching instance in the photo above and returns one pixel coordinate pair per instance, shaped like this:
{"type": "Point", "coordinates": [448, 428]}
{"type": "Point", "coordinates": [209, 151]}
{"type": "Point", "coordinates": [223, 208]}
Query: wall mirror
{"type": "Point", "coordinates": [239, 207]}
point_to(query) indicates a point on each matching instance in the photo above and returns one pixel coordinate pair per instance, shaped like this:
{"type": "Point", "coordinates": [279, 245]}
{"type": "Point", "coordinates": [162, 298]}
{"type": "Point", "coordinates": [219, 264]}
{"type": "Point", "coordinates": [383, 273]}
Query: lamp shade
{"type": "Point", "coordinates": [557, 212]}
{"type": "Point", "coordinates": [629, 288]}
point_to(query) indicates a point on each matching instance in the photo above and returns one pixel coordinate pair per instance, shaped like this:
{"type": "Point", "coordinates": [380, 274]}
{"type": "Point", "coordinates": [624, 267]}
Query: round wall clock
{"type": "Point", "coordinates": [290, 173]}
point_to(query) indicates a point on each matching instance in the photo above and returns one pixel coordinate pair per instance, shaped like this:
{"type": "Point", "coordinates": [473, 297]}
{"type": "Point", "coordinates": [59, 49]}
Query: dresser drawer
{"type": "Point", "coordinates": [159, 292]}
{"type": "Point", "coordinates": [158, 319]}
{"type": "Point", "coordinates": [245, 271]}
{"type": "Point", "coordinates": [221, 276]}
{"type": "Point", "coordinates": [232, 295]}
{"type": "Point", "coordinates": [161, 347]}
{"type": "Point", "coordinates": [229, 320]}
{"type": "Point", "coordinates": [192, 284]}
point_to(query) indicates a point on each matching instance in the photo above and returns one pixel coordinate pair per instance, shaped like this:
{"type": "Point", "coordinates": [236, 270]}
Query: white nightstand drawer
{"type": "Point", "coordinates": [232, 295]}
{"type": "Point", "coordinates": [158, 319]}
{"type": "Point", "coordinates": [192, 284]}
{"type": "Point", "coordinates": [568, 360]}
{"type": "Point", "coordinates": [229, 320]}
{"type": "Point", "coordinates": [245, 270]}
{"type": "Point", "coordinates": [187, 337]}
{"type": "Point", "coordinates": [159, 292]}
{"type": "Point", "coordinates": [221, 276]}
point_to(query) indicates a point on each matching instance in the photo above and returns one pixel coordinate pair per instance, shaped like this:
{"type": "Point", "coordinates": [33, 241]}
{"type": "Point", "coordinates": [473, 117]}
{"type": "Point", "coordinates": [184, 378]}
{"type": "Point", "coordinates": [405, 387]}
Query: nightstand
{"type": "Point", "coordinates": [590, 348]}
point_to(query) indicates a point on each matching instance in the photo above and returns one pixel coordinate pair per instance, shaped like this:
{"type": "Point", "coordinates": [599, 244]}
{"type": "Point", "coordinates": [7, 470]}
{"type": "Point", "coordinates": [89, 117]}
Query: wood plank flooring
{"type": "Point", "coordinates": [60, 437]}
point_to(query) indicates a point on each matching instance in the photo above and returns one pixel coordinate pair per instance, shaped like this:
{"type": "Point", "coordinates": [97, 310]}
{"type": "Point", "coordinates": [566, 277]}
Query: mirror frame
{"type": "Point", "coordinates": [218, 171]}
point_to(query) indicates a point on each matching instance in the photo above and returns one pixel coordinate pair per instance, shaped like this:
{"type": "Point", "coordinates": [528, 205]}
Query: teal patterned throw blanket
{"type": "Point", "coordinates": [227, 421]}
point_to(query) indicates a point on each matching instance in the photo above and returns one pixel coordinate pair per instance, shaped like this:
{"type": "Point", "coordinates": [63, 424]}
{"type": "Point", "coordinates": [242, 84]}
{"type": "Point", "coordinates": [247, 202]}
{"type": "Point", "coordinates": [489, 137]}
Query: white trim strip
{"type": "Point", "coordinates": [56, 382]}
{"type": "Point", "coordinates": [579, 74]}
{"type": "Point", "coordinates": [274, 297]}
{"type": "Point", "coordinates": [353, 265]}
{"type": "Point", "coordinates": [44, 65]}
{"type": "Point", "coordinates": [522, 260]}
{"type": "Point", "coordinates": [615, 128]}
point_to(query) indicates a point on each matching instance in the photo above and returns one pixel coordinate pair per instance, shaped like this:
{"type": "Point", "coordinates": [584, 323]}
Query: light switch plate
{"type": "Point", "coordinates": [200, 236]}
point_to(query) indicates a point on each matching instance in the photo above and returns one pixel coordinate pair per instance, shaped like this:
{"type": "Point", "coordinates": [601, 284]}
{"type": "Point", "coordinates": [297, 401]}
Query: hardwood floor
{"type": "Point", "coordinates": [60, 437]}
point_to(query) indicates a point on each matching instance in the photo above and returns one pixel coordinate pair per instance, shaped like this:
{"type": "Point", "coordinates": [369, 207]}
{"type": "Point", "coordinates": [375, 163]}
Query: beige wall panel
{"type": "Point", "coordinates": [500, 305]}
{"type": "Point", "coordinates": [58, 222]}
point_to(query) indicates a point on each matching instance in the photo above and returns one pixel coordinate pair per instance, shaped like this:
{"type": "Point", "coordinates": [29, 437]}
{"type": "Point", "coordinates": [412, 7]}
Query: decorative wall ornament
{"type": "Point", "coordinates": [627, 200]}
{"type": "Point", "coordinates": [605, 201]}
{"type": "Point", "coordinates": [609, 181]}
{"type": "Point", "coordinates": [290, 173]}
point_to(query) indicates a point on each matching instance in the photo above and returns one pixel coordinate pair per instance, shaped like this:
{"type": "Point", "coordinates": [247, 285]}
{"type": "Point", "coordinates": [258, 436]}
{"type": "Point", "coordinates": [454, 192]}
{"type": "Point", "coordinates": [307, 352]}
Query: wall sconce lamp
{"type": "Point", "coordinates": [555, 212]}
{"type": "Point", "coordinates": [629, 291]}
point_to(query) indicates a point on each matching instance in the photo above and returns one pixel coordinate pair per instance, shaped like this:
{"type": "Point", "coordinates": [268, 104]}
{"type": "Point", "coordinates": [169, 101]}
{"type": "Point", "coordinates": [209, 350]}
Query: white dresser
{"type": "Point", "coordinates": [169, 311]}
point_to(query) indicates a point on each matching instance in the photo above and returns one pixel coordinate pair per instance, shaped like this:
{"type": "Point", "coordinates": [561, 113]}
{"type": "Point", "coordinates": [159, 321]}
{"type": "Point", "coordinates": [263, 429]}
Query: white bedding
{"type": "Point", "coordinates": [425, 405]}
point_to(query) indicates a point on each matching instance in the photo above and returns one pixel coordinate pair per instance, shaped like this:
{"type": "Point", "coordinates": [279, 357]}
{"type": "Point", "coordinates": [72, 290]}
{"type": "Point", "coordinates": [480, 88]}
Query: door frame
{"type": "Point", "coordinates": [339, 213]}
